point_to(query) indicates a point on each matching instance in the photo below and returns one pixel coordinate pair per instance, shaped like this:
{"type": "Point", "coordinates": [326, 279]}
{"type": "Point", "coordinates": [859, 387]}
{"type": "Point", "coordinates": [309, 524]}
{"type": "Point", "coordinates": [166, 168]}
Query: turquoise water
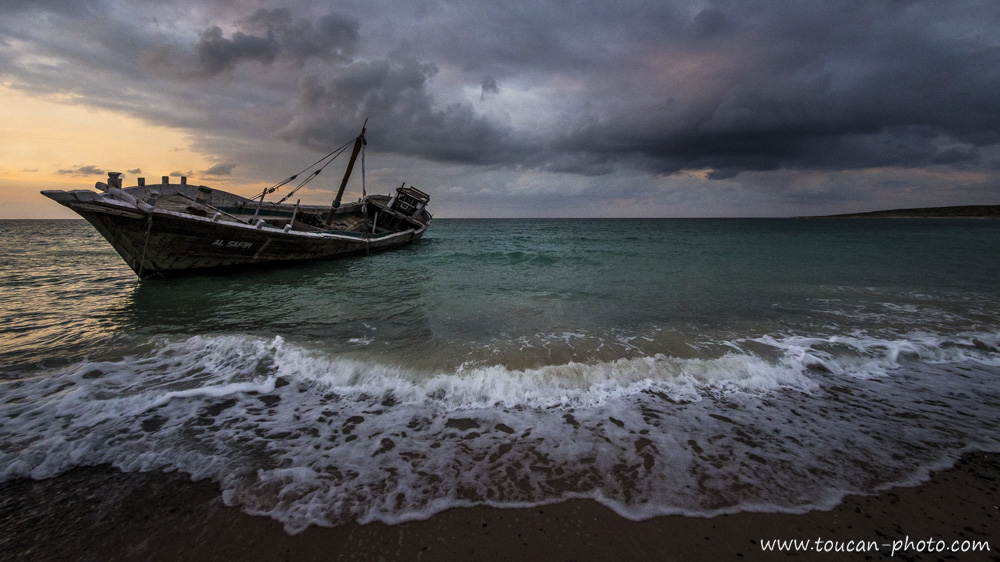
{"type": "Point", "coordinates": [658, 366]}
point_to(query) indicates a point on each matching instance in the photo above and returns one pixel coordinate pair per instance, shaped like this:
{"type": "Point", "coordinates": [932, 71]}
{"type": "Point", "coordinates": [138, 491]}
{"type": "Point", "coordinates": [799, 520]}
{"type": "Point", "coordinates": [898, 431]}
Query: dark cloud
{"type": "Point", "coordinates": [489, 87]}
{"type": "Point", "coordinates": [710, 22]}
{"type": "Point", "coordinates": [269, 34]}
{"type": "Point", "coordinates": [394, 94]}
{"type": "Point", "coordinates": [216, 54]}
{"type": "Point", "coordinates": [829, 90]}
{"type": "Point", "coordinates": [135, 171]}
{"type": "Point", "coordinates": [333, 37]}
{"type": "Point", "coordinates": [735, 87]}
{"type": "Point", "coordinates": [75, 8]}
{"type": "Point", "coordinates": [83, 171]}
{"type": "Point", "coordinates": [955, 156]}
{"type": "Point", "coordinates": [219, 170]}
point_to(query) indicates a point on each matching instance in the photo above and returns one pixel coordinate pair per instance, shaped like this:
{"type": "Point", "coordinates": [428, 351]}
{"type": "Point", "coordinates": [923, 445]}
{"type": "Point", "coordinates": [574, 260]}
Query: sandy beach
{"type": "Point", "coordinates": [102, 514]}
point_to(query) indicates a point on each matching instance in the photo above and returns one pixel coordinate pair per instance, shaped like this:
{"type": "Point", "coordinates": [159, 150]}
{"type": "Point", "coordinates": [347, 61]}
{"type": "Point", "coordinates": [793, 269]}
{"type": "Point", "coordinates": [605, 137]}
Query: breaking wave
{"type": "Point", "coordinates": [772, 423]}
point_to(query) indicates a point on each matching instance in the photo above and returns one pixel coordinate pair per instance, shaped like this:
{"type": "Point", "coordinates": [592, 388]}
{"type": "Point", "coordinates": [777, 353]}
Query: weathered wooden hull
{"type": "Point", "coordinates": [161, 244]}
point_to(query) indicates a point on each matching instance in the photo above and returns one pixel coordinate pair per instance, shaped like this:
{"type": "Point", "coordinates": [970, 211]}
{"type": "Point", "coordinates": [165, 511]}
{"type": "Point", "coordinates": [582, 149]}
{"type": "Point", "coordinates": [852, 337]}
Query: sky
{"type": "Point", "coordinates": [522, 108]}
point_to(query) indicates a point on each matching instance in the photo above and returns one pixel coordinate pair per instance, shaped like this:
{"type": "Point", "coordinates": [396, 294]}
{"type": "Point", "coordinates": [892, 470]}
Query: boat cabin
{"type": "Point", "coordinates": [408, 200]}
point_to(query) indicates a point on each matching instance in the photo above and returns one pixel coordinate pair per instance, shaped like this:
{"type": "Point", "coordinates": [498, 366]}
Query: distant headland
{"type": "Point", "coordinates": [959, 212]}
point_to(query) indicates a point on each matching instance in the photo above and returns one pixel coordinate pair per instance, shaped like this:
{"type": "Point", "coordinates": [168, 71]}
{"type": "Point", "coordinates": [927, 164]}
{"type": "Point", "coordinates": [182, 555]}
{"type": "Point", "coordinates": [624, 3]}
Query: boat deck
{"type": "Point", "coordinates": [182, 203]}
{"type": "Point", "coordinates": [305, 221]}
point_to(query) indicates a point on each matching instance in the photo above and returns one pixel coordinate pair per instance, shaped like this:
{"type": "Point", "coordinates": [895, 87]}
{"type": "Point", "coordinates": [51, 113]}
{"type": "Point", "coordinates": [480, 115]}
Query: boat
{"type": "Point", "coordinates": [169, 229]}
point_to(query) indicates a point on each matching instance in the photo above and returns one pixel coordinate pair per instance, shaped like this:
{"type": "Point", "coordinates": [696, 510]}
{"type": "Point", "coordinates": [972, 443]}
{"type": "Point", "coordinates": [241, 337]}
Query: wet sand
{"type": "Point", "coordinates": [102, 514]}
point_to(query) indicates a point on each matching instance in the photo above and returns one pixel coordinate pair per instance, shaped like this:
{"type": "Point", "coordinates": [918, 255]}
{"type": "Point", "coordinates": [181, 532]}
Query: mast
{"type": "Point", "coordinates": [358, 143]}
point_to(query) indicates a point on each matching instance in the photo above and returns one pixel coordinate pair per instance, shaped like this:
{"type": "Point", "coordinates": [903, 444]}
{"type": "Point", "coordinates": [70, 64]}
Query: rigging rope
{"type": "Point", "coordinates": [313, 175]}
{"type": "Point", "coordinates": [328, 158]}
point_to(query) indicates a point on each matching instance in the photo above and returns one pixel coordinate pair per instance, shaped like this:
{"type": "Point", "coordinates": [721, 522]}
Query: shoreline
{"type": "Point", "coordinates": [99, 513]}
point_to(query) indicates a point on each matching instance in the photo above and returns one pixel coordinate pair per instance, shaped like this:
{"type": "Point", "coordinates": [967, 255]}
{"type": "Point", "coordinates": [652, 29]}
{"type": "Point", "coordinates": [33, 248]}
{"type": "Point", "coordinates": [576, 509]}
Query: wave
{"type": "Point", "coordinates": [778, 422]}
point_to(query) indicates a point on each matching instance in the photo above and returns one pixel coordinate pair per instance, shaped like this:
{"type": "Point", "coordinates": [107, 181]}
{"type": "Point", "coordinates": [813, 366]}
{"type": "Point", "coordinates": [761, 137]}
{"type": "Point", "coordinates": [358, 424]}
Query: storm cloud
{"type": "Point", "coordinates": [408, 121]}
{"type": "Point", "coordinates": [788, 90]}
{"type": "Point", "coordinates": [219, 170]}
{"type": "Point", "coordinates": [678, 94]}
{"type": "Point", "coordinates": [266, 36]}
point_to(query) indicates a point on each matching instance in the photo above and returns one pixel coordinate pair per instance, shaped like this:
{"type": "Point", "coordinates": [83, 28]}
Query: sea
{"type": "Point", "coordinates": [657, 366]}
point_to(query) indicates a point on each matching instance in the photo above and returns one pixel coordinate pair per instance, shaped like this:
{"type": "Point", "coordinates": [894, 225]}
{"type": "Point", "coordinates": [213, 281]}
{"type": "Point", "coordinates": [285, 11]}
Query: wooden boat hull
{"type": "Point", "coordinates": [158, 243]}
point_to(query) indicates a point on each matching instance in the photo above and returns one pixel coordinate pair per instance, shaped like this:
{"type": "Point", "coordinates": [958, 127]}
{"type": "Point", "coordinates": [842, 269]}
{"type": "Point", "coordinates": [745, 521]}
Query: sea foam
{"type": "Point", "coordinates": [774, 423]}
